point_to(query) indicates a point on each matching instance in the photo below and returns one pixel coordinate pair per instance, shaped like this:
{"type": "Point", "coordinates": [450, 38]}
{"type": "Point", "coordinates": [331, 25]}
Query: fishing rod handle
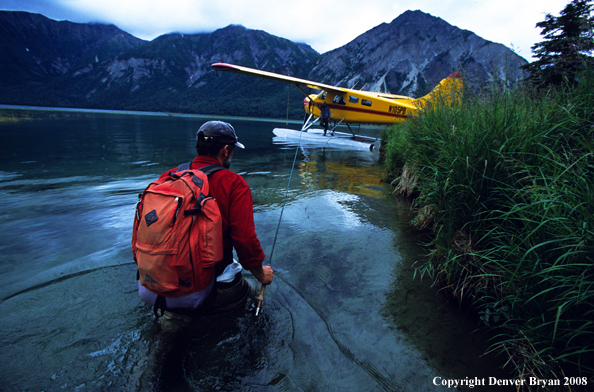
{"type": "Point", "coordinates": [260, 299]}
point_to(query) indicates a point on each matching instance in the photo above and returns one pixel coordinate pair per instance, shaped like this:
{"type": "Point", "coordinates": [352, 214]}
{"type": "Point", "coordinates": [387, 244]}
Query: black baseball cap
{"type": "Point", "coordinates": [219, 132]}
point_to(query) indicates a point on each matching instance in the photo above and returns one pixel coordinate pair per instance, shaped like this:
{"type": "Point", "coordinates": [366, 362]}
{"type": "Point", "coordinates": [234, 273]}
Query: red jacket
{"type": "Point", "coordinates": [234, 198]}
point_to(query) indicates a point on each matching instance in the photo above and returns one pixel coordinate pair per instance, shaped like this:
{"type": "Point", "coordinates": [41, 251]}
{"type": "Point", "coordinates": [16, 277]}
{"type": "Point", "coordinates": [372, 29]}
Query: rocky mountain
{"type": "Point", "coordinates": [66, 64]}
{"type": "Point", "coordinates": [52, 63]}
{"type": "Point", "coordinates": [412, 54]}
{"type": "Point", "coordinates": [173, 73]}
{"type": "Point", "coordinates": [36, 49]}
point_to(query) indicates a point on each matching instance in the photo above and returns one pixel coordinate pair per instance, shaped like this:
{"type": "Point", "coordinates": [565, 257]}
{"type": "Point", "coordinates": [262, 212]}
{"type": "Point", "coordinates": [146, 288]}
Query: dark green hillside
{"type": "Point", "coordinates": [50, 63]}
{"type": "Point", "coordinates": [35, 49]}
{"type": "Point", "coordinates": [101, 67]}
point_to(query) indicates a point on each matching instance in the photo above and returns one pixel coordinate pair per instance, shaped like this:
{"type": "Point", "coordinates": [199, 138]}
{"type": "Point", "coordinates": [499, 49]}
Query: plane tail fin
{"type": "Point", "coordinates": [448, 91]}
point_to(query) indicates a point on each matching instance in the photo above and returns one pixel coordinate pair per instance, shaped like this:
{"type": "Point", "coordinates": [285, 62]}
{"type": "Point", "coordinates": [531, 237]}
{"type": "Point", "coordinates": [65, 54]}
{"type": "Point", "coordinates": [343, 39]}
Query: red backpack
{"type": "Point", "coordinates": [178, 233]}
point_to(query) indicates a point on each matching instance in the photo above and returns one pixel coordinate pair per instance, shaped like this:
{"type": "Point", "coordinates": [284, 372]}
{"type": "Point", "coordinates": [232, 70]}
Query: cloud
{"type": "Point", "coordinates": [325, 25]}
{"type": "Point", "coordinates": [145, 19]}
{"type": "Point", "coordinates": [508, 22]}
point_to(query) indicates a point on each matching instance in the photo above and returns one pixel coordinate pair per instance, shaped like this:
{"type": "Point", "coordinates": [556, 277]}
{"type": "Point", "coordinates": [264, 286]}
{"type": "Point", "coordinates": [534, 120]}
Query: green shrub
{"type": "Point", "coordinates": [504, 182]}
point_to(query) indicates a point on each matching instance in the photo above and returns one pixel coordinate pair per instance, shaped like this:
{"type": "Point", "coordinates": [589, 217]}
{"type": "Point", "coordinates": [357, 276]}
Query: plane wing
{"type": "Point", "coordinates": [273, 76]}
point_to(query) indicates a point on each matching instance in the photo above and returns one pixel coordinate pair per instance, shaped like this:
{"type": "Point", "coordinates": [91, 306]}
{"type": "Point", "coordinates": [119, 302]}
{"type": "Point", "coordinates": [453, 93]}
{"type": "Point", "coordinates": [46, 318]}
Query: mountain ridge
{"type": "Point", "coordinates": [51, 63]}
{"type": "Point", "coordinates": [58, 45]}
{"type": "Point", "coordinates": [414, 59]}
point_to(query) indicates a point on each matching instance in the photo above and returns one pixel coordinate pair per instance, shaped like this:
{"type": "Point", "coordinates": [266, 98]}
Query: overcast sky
{"type": "Point", "coordinates": [323, 24]}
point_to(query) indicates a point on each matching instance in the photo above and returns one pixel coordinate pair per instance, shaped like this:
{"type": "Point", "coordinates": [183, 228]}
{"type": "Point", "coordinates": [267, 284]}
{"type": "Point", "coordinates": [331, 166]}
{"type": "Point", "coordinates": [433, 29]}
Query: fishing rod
{"type": "Point", "coordinates": [263, 288]}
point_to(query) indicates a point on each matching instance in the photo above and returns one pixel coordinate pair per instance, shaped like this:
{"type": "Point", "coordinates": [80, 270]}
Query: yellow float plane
{"type": "Point", "coordinates": [355, 106]}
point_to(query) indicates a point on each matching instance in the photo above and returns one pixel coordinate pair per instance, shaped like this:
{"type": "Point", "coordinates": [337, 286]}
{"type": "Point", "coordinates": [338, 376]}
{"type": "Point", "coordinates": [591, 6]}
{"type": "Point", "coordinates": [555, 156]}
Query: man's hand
{"type": "Point", "coordinates": [263, 273]}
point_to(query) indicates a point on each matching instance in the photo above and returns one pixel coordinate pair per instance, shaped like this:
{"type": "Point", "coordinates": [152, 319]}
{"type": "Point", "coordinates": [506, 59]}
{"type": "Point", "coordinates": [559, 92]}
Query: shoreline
{"type": "Point", "coordinates": [137, 113]}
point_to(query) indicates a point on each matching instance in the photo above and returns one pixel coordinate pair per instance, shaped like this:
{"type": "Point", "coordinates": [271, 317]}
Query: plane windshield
{"type": "Point", "coordinates": [339, 100]}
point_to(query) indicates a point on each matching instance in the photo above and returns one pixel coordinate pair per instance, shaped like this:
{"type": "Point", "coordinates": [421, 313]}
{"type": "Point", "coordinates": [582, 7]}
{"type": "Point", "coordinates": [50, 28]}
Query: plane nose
{"type": "Point", "coordinates": [306, 104]}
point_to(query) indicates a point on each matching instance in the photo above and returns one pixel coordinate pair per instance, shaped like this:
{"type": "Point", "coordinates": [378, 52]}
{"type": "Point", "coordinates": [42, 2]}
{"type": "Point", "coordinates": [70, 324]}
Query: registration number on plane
{"type": "Point", "coordinates": [397, 110]}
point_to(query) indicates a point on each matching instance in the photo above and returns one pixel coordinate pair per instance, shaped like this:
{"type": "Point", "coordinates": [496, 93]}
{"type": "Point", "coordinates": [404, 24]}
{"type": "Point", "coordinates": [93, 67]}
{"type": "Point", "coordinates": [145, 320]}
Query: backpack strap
{"type": "Point", "coordinates": [184, 166]}
{"type": "Point", "coordinates": [208, 169]}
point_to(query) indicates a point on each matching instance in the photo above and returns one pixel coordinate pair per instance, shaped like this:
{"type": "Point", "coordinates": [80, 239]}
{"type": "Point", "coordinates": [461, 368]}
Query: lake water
{"type": "Point", "coordinates": [343, 313]}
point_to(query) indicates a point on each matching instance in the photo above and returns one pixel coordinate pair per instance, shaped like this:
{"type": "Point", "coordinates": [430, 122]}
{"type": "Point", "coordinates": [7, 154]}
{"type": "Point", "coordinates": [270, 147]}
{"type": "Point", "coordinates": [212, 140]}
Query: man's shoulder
{"type": "Point", "coordinates": [226, 175]}
{"type": "Point", "coordinates": [231, 176]}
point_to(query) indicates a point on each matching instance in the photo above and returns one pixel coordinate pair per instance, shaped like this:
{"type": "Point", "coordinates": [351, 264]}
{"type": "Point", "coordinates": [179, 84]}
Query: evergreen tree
{"type": "Point", "coordinates": [568, 45]}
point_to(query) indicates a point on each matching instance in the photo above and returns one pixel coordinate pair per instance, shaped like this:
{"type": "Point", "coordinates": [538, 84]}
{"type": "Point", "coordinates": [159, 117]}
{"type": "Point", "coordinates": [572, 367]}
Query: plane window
{"type": "Point", "coordinates": [353, 99]}
{"type": "Point", "coordinates": [339, 100]}
{"type": "Point", "coordinates": [365, 102]}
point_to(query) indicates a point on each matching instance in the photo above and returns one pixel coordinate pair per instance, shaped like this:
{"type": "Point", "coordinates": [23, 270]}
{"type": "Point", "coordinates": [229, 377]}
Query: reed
{"type": "Point", "coordinates": [503, 181]}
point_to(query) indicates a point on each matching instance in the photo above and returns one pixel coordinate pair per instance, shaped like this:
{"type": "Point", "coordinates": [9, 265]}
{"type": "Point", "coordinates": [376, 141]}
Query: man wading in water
{"type": "Point", "coordinates": [215, 144]}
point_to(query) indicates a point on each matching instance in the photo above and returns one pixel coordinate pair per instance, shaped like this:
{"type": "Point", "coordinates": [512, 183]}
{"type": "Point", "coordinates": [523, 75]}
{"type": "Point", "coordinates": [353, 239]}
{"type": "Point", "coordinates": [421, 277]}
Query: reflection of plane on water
{"type": "Point", "coordinates": [342, 176]}
{"type": "Point", "coordinates": [350, 106]}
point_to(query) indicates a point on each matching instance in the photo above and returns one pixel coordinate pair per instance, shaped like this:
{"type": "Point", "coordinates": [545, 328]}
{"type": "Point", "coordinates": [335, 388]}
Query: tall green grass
{"type": "Point", "coordinates": [503, 181]}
